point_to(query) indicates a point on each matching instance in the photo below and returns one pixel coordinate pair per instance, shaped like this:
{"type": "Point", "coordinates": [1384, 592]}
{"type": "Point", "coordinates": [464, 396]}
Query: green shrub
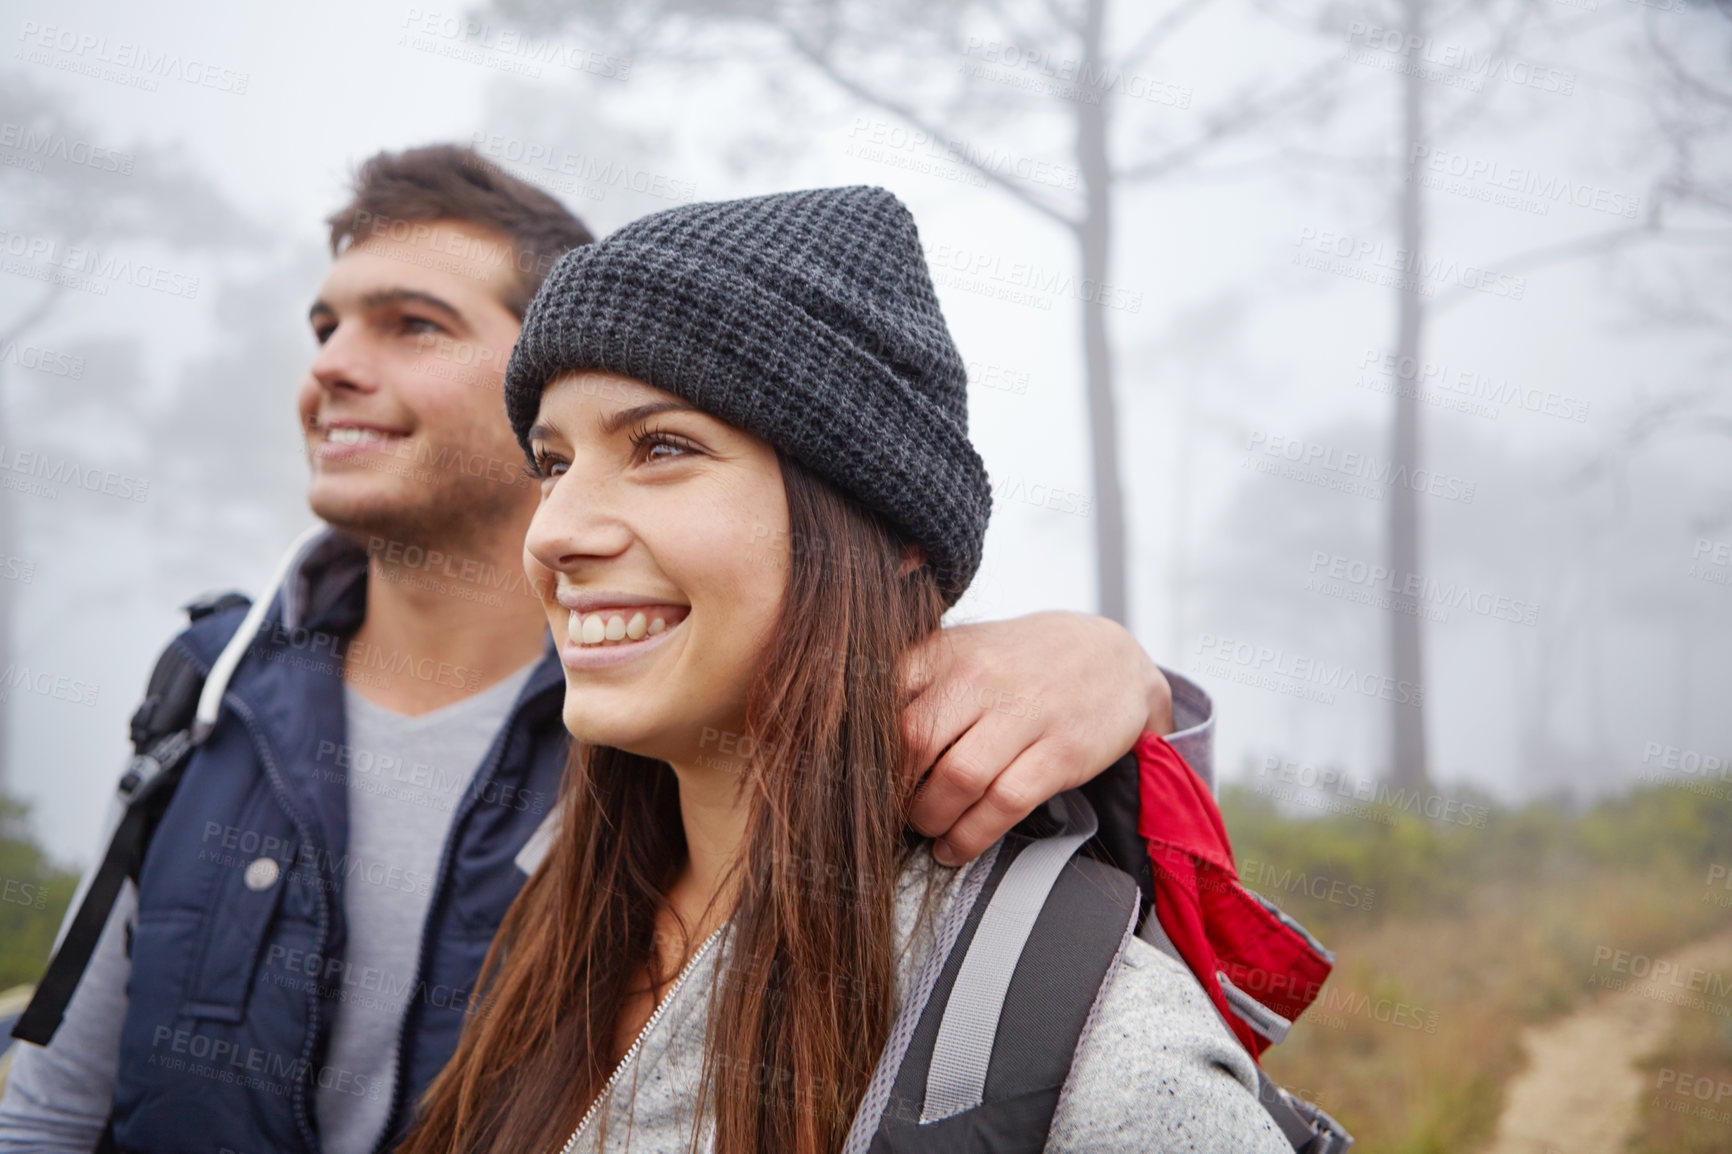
{"type": "Point", "coordinates": [34, 894]}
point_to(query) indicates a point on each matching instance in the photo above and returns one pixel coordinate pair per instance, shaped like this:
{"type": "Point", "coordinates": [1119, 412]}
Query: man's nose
{"type": "Point", "coordinates": [343, 362]}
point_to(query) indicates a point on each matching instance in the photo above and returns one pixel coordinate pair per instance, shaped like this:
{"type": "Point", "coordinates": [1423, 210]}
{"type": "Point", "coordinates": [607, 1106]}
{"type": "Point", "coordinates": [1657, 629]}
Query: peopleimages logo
{"type": "Point", "coordinates": [92, 268]}
{"type": "Point", "coordinates": [43, 472]}
{"type": "Point", "coordinates": [1021, 282]}
{"type": "Point", "coordinates": [506, 49]}
{"type": "Point", "coordinates": [1360, 474]}
{"type": "Point", "coordinates": [42, 360]}
{"type": "Point", "coordinates": [1692, 979]}
{"type": "Point", "coordinates": [1329, 570]}
{"type": "Point", "coordinates": [1711, 561]}
{"type": "Point", "coordinates": [1361, 258]}
{"type": "Point", "coordinates": [999, 162]}
{"type": "Point", "coordinates": [106, 59]}
{"type": "Point", "coordinates": [1066, 77]}
{"type": "Point", "coordinates": [1462, 63]}
{"type": "Point", "coordinates": [1322, 780]}
{"type": "Point", "coordinates": [1439, 383]}
{"type": "Point", "coordinates": [1275, 662]}
{"type": "Point", "coordinates": [1264, 877]}
{"type": "Point", "coordinates": [41, 145]}
{"type": "Point", "coordinates": [1514, 186]}
{"type": "Point", "coordinates": [58, 686]}
{"type": "Point", "coordinates": [586, 172]}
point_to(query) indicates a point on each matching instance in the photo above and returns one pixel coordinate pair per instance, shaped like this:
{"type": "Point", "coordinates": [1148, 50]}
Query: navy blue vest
{"type": "Point", "coordinates": [238, 951]}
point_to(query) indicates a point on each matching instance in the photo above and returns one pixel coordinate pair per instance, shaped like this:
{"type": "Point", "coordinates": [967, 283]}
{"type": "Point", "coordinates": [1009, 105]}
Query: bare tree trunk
{"type": "Point", "coordinates": [40, 310]}
{"type": "Point", "coordinates": [1094, 236]}
{"type": "Point", "coordinates": [1407, 720]}
{"type": "Point", "coordinates": [8, 597]}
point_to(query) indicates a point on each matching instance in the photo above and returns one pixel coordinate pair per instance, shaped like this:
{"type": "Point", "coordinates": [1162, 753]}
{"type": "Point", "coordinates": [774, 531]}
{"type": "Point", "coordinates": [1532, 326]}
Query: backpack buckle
{"type": "Point", "coordinates": [144, 768]}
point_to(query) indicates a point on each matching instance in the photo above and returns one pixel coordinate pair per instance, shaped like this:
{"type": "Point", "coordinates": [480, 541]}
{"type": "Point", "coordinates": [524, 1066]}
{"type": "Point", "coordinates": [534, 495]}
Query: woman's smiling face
{"type": "Point", "coordinates": [660, 550]}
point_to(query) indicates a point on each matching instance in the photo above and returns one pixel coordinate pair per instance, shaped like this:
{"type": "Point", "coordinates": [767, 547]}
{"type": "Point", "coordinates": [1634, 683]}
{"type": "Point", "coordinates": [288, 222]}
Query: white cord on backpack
{"type": "Point", "coordinates": [217, 682]}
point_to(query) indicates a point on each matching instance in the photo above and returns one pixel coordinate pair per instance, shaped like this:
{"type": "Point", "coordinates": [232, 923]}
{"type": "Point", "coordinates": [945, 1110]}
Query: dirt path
{"type": "Point", "coordinates": [1581, 1088]}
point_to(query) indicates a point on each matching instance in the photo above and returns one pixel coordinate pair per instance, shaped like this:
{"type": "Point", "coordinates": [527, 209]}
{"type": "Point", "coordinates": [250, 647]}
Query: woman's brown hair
{"type": "Point", "coordinates": [803, 1005]}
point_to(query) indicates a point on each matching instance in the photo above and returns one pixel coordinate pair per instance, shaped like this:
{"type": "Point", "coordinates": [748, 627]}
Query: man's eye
{"type": "Point", "coordinates": [322, 333]}
{"type": "Point", "coordinates": [415, 326]}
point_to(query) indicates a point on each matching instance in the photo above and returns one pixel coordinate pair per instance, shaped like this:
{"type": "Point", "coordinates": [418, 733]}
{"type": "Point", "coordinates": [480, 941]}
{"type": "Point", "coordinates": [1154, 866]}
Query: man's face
{"type": "Point", "coordinates": [403, 406]}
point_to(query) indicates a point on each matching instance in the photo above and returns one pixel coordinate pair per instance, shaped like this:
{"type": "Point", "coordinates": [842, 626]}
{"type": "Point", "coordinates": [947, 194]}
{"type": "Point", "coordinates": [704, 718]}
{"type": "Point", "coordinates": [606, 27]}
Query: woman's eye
{"type": "Point", "coordinates": [546, 468]}
{"type": "Point", "coordinates": [658, 446]}
{"type": "Point", "coordinates": [322, 333]}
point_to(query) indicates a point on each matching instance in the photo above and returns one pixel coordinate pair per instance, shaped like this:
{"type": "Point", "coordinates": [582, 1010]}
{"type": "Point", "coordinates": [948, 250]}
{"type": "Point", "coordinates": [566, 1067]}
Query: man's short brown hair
{"type": "Point", "coordinates": [395, 191]}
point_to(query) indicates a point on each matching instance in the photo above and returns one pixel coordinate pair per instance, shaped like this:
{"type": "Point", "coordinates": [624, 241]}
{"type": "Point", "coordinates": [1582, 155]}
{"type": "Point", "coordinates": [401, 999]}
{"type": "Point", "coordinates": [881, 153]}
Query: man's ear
{"type": "Point", "coordinates": [913, 557]}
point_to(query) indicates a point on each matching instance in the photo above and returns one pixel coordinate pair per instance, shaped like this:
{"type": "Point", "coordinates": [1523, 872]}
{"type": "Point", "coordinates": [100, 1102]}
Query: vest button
{"type": "Point", "coordinates": [262, 874]}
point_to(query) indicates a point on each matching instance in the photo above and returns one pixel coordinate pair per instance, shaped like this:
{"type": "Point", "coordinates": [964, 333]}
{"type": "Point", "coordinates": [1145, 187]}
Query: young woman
{"type": "Point", "coordinates": [749, 423]}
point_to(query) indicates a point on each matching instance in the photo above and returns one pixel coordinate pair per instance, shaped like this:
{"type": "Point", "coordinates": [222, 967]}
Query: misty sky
{"type": "Point", "coordinates": [1251, 319]}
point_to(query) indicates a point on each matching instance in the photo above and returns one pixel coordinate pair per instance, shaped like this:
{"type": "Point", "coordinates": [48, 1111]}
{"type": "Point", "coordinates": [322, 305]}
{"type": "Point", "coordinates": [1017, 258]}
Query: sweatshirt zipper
{"type": "Point", "coordinates": [637, 1043]}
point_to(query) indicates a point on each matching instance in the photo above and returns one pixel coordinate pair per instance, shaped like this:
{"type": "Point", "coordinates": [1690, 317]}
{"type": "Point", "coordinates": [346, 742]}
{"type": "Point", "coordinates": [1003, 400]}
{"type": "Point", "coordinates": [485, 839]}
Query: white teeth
{"type": "Point", "coordinates": [347, 435]}
{"type": "Point", "coordinates": [593, 630]}
{"type": "Point", "coordinates": [597, 628]}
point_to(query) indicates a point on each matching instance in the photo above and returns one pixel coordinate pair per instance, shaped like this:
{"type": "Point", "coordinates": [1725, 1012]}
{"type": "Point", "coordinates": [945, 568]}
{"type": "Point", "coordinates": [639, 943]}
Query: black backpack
{"type": "Point", "coordinates": [162, 736]}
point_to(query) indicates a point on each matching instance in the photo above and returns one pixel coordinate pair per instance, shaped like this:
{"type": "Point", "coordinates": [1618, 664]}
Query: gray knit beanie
{"type": "Point", "coordinates": [806, 318]}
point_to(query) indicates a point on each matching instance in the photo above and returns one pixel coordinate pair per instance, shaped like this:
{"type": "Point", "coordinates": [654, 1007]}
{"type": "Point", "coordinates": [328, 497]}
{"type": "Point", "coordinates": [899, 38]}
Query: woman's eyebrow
{"type": "Point", "coordinates": [619, 420]}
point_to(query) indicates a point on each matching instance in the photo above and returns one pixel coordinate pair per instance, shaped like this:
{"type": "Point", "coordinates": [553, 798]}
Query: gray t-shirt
{"type": "Point", "coordinates": [407, 775]}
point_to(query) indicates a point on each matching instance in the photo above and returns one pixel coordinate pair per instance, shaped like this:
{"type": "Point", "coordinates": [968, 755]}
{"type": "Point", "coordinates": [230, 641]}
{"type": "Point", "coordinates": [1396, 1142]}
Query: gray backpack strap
{"type": "Point", "coordinates": [990, 1051]}
{"type": "Point", "coordinates": [1308, 1129]}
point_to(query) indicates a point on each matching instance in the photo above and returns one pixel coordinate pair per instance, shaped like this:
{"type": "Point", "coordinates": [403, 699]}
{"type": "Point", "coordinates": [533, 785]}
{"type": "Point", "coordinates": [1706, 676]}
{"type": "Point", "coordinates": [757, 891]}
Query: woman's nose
{"type": "Point", "coordinates": [576, 523]}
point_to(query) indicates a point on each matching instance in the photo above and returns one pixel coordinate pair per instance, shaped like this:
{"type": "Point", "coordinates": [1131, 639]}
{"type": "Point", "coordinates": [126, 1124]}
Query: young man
{"type": "Point", "coordinates": [378, 780]}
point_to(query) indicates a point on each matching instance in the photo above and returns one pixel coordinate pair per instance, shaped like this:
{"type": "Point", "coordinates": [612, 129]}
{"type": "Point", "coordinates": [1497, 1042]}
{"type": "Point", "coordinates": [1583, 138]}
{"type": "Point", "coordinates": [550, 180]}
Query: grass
{"type": "Point", "coordinates": [1471, 935]}
{"type": "Point", "coordinates": [1686, 1105]}
{"type": "Point", "coordinates": [1449, 940]}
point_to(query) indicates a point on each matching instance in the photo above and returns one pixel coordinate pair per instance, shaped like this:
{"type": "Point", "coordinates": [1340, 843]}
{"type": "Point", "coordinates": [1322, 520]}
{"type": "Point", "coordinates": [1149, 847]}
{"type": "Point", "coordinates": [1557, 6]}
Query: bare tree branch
{"type": "Point", "coordinates": [1608, 241]}
{"type": "Point", "coordinates": [1689, 80]}
{"type": "Point", "coordinates": [1160, 30]}
{"type": "Point", "coordinates": [1679, 413]}
{"type": "Point", "coordinates": [1476, 103]}
{"type": "Point", "coordinates": [36, 313]}
{"type": "Point", "coordinates": [1069, 21]}
{"type": "Point", "coordinates": [908, 115]}
{"type": "Point", "coordinates": [1248, 115]}
{"type": "Point", "coordinates": [1283, 161]}
{"type": "Point", "coordinates": [1014, 31]}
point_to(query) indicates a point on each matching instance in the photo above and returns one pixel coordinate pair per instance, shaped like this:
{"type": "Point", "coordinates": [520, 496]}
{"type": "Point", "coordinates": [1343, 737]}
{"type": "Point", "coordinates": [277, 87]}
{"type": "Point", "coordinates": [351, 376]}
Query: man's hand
{"type": "Point", "coordinates": [1021, 710]}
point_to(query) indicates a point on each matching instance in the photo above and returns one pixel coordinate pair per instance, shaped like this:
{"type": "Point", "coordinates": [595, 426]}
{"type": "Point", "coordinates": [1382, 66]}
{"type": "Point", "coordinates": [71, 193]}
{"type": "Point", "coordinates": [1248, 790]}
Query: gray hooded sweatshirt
{"type": "Point", "coordinates": [1158, 1072]}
